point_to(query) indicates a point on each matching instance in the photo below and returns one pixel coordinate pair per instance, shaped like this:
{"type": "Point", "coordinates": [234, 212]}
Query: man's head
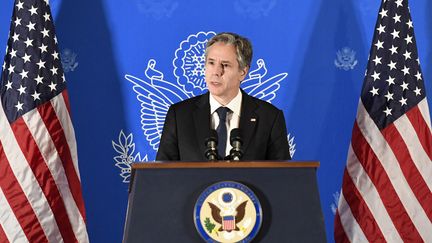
{"type": "Point", "coordinates": [228, 58]}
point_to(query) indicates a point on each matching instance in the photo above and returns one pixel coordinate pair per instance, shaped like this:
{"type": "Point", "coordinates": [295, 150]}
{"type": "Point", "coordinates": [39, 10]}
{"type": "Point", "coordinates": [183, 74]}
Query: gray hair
{"type": "Point", "coordinates": [243, 47]}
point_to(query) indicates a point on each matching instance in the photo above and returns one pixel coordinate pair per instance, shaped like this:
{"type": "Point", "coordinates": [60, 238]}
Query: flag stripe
{"type": "Point", "coordinates": [369, 194]}
{"type": "Point", "coordinates": [27, 180]}
{"type": "Point", "coordinates": [59, 102]}
{"type": "Point", "coordinates": [3, 237]}
{"type": "Point", "coordinates": [406, 163]}
{"type": "Point", "coordinates": [359, 209]}
{"type": "Point", "coordinates": [43, 176]}
{"type": "Point", "coordinates": [55, 129]}
{"type": "Point", "coordinates": [350, 230]}
{"type": "Point", "coordinates": [424, 110]}
{"type": "Point", "coordinates": [8, 221]}
{"type": "Point", "coordinates": [339, 232]}
{"type": "Point", "coordinates": [65, 119]}
{"type": "Point", "coordinates": [19, 204]}
{"type": "Point", "coordinates": [422, 131]}
{"type": "Point", "coordinates": [384, 161]}
{"type": "Point", "coordinates": [52, 158]}
{"type": "Point", "coordinates": [380, 177]}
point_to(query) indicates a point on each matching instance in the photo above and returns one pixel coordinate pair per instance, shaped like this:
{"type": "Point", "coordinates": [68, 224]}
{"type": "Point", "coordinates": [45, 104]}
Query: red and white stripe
{"type": "Point", "coordinates": [40, 190]}
{"type": "Point", "coordinates": [386, 192]}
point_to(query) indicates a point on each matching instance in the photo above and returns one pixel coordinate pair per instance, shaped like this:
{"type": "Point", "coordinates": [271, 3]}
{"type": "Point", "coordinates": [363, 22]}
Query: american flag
{"type": "Point", "coordinates": [228, 223]}
{"type": "Point", "coordinates": [386, 190]}
{"type": "Point", "coordinates": [40, 196]}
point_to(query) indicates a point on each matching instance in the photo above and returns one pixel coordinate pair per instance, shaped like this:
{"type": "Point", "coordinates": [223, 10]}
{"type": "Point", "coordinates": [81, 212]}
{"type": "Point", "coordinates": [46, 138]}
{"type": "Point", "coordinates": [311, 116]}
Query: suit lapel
{"type": "Point", "coordinates": [248, 119]}
{"type": "Point", "coordinates": [201, 118]}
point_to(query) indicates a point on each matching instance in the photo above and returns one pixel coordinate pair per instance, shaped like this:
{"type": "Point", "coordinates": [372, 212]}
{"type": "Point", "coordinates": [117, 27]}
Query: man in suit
{"type": "Point", "coordinates": [224, 107]}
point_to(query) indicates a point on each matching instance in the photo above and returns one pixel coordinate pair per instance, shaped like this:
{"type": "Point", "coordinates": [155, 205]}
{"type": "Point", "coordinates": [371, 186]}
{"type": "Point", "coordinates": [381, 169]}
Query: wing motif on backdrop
{"type": "Point", "coordinates": [156, 94]}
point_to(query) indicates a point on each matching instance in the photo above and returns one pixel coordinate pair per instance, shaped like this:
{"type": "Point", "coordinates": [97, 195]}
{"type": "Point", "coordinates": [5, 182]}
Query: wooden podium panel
{"type": "Point", "coordinates": [163, 195]}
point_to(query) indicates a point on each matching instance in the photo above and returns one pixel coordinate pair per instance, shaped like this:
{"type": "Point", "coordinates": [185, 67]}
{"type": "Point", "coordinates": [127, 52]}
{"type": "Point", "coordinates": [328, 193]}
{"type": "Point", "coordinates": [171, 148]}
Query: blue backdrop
{"type": "Point", "coordinates": [124, 58]}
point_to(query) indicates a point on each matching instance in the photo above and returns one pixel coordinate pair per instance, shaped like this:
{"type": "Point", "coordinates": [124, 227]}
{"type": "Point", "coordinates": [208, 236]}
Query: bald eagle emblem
{"type": "Point", "coordinates": [228, 221]}
{"type": "Point", "coordinates": [227, 211]}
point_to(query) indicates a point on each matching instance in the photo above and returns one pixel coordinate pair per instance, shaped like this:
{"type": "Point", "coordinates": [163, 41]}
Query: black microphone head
{"type": "Point", "coordinates": [236, 136]}
{"type": "Point", "coordinates": [213, 137]}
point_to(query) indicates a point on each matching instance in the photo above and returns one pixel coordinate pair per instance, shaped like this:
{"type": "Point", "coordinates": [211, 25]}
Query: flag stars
{"type": "Point", "coordinates": [30, 26]}
{"type": "Point", "coordinates": [43, 48]}
{"type": "Point", "coordinates": [26, 58]}
{"type": "Point", "coordinates": [46, 17]}
{"type": "Point", "coordinates": [17, 22]}
{"type": "Point", "coordinates": [405, 70]}
{"type": "Point", "coordinates": [389, 96]}
{"type": "Point", "coordinates": [54, 70]}
{"type": "Point", "coordinates": [36, 96]}
{"type": "Point", "coordinates": [38, 79]}
{"type": "Point", "coordinates": [399, 3]}
{"type": "Point", "coordinates": [397, 18]}
{"type": "Point", "coordinates": [404, 86]}
{"type": "Point", "coordinates": [377, 60]}
{"type": "Point", "coordinates": [15, 37]}
{"type": "Point", "coordinates": [390, 80]}
{"type": "Point", "coordinates": [19, 106]}
{"type": "Point", "coordinates": [410, 24]}
{"type": "Point", "coordinates": [417, 91]}
{"type": "Point", "coordinates": [387, 111]}
{"type": "Point", "coordinates": [45, 33]}
{"type": "Point", "coordinates": [52, 86]}
{"type": "Point", "coordinates": [392, 65]}
{"type": "Point", "coordinates": [55, 55]}
{"type": "Point", "coordinates": [407, 55]}
{"type": "Point", "coordinates": [20, 5]}
{"type": "Point", "coordinates": [375, 76]}
{"type": "Point", "coordinates": [383, 13]}
{"type": "Point", "coordinates": [8, 85]}
{"type": "Point", "coordinates": [33, 10]}
{"type": "Point", "coordinates": [418, 76]}
{"type": "Point", "coordinates": [13, 53]}
{"type": "Point", "coordinates": [381, 29]}
{"type": "Point", "coordinates": [28, 42]}
{"type": "Point", "coordinates": [408, 39]}
{"type": "Point", "coordinates": [403, 101]}
{"type": "Point", "coordinates": [21, 90]}
{"type": "Point", "coordinates": [379, 44]}
{"type": "Point", "coordinates": [11, 69]}
{"type": "Point", "coordinates": [393, 49]}
{"type": "Point", "coordinates": [374, 91]}
{"type": "Point", "coordinates": [41, 64]}
{"type": "Point", "coordinates": [24, 74]}
{"type": "Point", "coordinates": [395, 34]}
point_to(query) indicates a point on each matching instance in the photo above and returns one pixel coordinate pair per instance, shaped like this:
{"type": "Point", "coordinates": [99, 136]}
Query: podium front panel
{"type": "Point", "coordinates": [161, 203]}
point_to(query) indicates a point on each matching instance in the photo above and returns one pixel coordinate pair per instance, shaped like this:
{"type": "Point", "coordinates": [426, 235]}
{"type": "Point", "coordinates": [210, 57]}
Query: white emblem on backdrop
{"type": "Point", "coordinates": [335, 202]}
{"type": "Point", "coordinates": [125, 148]}
{"type": "Point", "coordinates": [254, 8]}
{"type": "Point", "coordinates": [155, 93]}
{"type": "Point", "coordinates": [345, 59]}
{"type": "Point", "coordinates": [157, 9]}
{"type": "Point", "coordinates": [69, 60]}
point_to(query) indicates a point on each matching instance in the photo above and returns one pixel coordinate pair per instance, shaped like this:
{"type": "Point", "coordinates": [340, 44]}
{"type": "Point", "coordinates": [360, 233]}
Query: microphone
{"type": "Point", "coordinates": [236, 141]}
{"type": "Point", "coordinates": [211, 143]}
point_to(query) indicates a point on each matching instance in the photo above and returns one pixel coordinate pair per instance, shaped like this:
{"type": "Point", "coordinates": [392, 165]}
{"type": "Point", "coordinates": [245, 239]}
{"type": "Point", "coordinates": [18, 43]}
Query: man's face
{"type": "Point", "coordinates": [222, 72]}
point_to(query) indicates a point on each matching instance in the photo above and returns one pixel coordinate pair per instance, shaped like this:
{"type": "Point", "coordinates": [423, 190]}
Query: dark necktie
{"type": "Point", "coordinates": [222, 130]}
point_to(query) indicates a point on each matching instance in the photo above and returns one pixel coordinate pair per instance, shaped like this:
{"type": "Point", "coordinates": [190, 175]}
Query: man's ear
{"type": "Point", "coordinates": [244, 71]}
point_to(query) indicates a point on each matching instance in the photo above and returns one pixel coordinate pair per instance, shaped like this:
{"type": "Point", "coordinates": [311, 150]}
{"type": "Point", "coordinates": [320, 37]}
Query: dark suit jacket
{"type": "Point", "coordinates": [187, 125]}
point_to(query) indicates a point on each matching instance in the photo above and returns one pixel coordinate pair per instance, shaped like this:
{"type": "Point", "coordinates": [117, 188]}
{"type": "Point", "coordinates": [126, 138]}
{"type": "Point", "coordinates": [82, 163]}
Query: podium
{"type": "Point", "coordinates": [162, 196]}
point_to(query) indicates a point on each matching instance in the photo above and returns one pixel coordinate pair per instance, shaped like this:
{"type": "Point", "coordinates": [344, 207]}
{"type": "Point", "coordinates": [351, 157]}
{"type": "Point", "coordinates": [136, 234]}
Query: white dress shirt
{"type": "Point", "coordinates": [232, 119]}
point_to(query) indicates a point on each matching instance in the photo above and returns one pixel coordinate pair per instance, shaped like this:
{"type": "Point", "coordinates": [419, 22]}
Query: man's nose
{"type": "Point", "coordinates": [219, 70]}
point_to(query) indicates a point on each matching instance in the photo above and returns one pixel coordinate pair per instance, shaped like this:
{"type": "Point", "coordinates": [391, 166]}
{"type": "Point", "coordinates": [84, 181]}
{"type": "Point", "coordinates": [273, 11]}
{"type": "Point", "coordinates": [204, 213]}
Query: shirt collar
{"type": "Point", "coordinates": [234, 105]}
